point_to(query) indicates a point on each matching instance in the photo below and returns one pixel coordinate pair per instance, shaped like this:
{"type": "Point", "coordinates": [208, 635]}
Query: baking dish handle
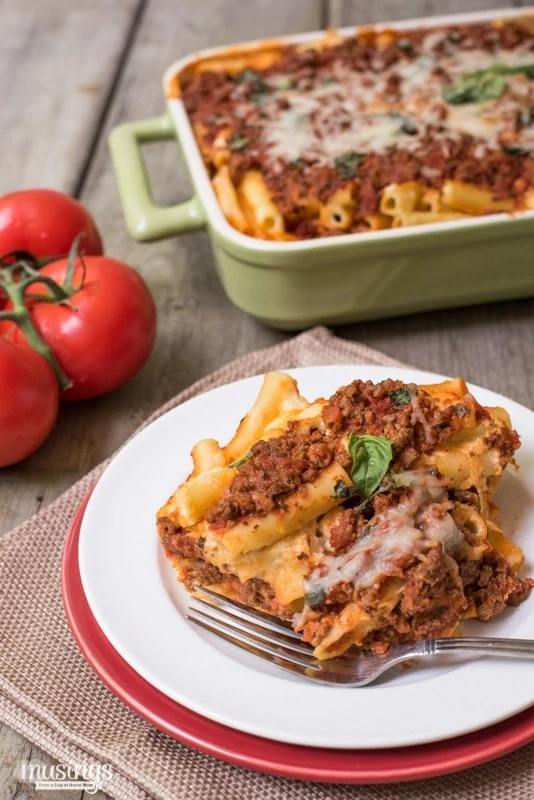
{"type": "Point", "coordinates": [145, 220]}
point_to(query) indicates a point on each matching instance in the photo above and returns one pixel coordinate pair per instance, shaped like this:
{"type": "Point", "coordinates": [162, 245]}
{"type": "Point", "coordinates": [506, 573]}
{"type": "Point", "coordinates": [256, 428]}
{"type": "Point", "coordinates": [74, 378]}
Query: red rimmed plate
{"type": "Point", "coordinates": [253, 752]}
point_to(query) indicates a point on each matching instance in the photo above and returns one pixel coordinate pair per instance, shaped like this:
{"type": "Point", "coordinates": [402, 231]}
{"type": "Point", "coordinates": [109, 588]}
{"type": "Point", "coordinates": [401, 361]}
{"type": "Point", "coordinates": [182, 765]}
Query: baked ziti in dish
{"type": "Point", "coordinates": [365, 519]}
{"type": "Point", "coordinates": [381, 129]}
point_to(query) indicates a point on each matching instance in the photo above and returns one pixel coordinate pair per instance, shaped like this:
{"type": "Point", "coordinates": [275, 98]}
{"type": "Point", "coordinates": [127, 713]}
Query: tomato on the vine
{"type": "Point", "coordinates": [44, 223]}
{"type": "Point", "coordinates": [29, 401]}
{"type": "Point", "coordinates": [102, 337]}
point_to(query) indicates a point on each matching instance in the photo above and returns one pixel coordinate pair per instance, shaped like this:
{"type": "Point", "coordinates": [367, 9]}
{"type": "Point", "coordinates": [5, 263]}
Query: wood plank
{"type": "Point", "coordinates": [58, 62]}
{"type": "Point", "coordinates": [14, 749]}
{"type": "Point", "coordinates": [356, 12]}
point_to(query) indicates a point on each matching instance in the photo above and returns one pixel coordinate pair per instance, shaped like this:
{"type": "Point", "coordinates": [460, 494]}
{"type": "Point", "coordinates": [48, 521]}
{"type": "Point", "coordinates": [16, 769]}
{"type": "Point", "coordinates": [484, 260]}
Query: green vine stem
{"type": "Point", "coordinates": [13, 284]}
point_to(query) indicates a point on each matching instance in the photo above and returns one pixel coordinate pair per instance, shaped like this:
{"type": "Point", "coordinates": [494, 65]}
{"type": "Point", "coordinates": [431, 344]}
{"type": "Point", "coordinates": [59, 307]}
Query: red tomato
{"type": "Point", "coordinates": [29, 402]}
{"type": "Point", "coordinates": [44, 223]}
{"type": "Point", "coordinates": [104, 339]}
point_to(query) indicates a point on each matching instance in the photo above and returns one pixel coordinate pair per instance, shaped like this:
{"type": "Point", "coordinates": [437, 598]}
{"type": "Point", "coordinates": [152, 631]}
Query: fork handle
{"type": "Point", "coordinates": [508, 648]}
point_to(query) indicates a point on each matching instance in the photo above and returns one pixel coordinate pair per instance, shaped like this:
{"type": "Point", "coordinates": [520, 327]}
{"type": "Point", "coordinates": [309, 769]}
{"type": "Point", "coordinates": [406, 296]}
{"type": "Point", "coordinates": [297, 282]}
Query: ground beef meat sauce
{"type": "Point", "coordinates": [491, 584]}
{"type": "Point", "coordinates": [432, 604]}
{"type": "Point", "coordinates": [402, 413]}
{"type": "Point", "coordinates": [176, 542]}
{"type": "Point", "coordinates": [347, 526]}
{"type": "Point", "coordinates": [194, 571]}
{"type": "Point", "coordinates": [275, 468]}
{"type": "Point", "coordinates": [310, 121]}
{"type": "Point", "coordinates": [437, 589]}
{"type": "Point", "coordinates": [439, 579]}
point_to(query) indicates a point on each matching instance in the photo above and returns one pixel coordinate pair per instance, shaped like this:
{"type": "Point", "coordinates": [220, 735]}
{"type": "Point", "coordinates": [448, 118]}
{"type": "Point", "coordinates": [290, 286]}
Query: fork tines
{"type": "Point", "coordinates": [252, 630]}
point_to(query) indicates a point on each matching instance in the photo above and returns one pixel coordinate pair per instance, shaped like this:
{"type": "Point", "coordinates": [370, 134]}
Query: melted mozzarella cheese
{"type": "Point", "coordinates": [418, 416]}
{"type": "Point", "coordinates": [353, 112]}
{"type": "Point", "coordinates": [395, 538]}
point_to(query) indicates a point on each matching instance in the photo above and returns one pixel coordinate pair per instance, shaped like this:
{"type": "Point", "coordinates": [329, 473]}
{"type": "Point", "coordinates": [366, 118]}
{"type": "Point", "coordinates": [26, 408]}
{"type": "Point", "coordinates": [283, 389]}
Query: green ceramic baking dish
{"type": "Point", "coordinates": [293, 285]}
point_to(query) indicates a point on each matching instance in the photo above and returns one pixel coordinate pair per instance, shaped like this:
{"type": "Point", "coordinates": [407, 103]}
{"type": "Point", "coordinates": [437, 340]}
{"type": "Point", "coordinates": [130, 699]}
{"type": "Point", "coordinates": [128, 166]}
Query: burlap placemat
{"type": "Point", "coordinates": [50, 695]}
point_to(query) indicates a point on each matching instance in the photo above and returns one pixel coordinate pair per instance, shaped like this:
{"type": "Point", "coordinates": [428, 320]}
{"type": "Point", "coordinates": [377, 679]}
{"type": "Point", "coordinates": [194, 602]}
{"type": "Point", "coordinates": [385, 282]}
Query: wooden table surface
{"type": "Point", "coordinates": [71, 72]}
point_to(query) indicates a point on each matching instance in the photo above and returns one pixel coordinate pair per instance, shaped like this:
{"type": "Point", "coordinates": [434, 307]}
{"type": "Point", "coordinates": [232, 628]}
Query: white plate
{"type": "Point", "coordinates": [134, 595]}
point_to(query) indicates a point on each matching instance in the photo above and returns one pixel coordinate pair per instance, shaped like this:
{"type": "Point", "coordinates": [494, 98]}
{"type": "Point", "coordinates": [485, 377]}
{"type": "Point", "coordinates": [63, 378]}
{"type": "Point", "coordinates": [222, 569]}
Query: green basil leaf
{"type": "Point", "coordinates": [409, 127]}
{"type": "Point", "coordinates": [258, 87]}
{"type": "Point", "coordinates": [477, 87]}
{"type": "Point", "coordinates": [297, 164]}
{"type": "Point", "coordinates": [247, 76]}
{"type": "Point", "coordinates": [487, 84]}
{"type": "Point", "coordinates": [516, 150]}
{"type": "Point", "coordinates": [342, 490]}
{"type": "Point", "coordinates": [405, 45]}
{"type": "Point", "coordinates": [238, 142]}
{"type": "Point", "coordinates": [406, 125]}
{"type": "Point", "coordinates": [474, 87]}
{"type": "Point", "coordinates": [258, 98]}
{"type": "Point", "coordinates": [502, 69]}
{"type": "Point", "coordinates": [347, 164]}
{"type": "Point", "coordinates": [371, 457]}
{"type": "Point", "coordinates": [401, 397]}
{"type": "Point", "coordinates": [284, 82]}
{"type": "Point", "coordinates": [315, 597]}
{"type": "Point", "coordinates": [258, 92]}
{"type": "Point", "coordinates": [241, 460]}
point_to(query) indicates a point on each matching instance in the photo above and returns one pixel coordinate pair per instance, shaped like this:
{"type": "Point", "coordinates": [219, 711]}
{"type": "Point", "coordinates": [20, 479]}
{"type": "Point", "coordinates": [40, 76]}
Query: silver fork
{"type": "Point", "coordinates": [275, 641]}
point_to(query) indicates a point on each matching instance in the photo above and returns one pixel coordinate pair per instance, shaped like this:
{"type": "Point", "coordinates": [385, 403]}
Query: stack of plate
{"type": "Point", "coordinates": [127, 613]}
